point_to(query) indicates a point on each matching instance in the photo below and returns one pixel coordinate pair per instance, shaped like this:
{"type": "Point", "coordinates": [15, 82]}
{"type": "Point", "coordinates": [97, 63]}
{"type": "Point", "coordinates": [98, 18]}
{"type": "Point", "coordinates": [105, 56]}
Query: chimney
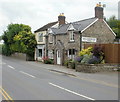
{"type": "Point", "coordinates": [99, 11]}
{"type": "Point", "coordinates": [61, 19]}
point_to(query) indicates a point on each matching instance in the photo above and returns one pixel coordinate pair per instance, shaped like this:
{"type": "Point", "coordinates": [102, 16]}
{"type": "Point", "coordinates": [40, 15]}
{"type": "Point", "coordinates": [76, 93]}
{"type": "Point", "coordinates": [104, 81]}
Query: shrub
{"type": "Point", "coordinates": [66, 63]}
{"type": "Point", "coordinates": [97, 51]}
{"type": "Point", "coordinates": [79, 58]}
{"type": "Point", "coordinates": [86, 58]}
{"type": "Point", "coordinates": [46, 60]}
{"type": "Point", "coordinates": [91, 55]}
{"type": "Point", "coordinates": [94, 60]}
{"type": "Point", "coordinates": [86, 51]}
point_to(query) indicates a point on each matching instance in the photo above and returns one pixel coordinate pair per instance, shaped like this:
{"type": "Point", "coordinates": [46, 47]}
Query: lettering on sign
{"type": "Point", "coordinates": [89, 39]}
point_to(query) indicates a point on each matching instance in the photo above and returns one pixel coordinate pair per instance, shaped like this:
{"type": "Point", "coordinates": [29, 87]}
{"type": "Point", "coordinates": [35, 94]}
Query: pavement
{"type": "Point", "coordinates": [108, 78]}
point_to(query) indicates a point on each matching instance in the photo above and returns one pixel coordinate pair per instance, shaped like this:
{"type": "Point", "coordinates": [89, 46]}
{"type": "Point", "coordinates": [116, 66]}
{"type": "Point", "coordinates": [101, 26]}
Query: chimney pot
{"type": "Point", "coordinates": [61, 18]}
{"type": "Point", "coordinates": [99, 11]}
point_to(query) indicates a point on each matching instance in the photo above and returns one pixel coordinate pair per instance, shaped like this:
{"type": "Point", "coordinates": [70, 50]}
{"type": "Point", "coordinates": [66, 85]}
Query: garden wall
{"type": "Point", "coordinates": [111, 51]}
{"type": "Point", "coordinates": [92, 68]}
{"type": "Point", "coordinates": [19, 56]}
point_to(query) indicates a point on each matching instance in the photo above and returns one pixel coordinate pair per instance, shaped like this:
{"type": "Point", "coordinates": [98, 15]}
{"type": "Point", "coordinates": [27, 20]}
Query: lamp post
{"type": "Point", "coordinates": [80, 40]}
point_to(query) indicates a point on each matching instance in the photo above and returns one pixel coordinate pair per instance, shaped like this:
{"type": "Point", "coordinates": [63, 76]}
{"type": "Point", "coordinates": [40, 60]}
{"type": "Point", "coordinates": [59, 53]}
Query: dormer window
{"type": "Point", "coordinates": [40, 37]}
{"type": "Point", "coordinates": [71, 36]}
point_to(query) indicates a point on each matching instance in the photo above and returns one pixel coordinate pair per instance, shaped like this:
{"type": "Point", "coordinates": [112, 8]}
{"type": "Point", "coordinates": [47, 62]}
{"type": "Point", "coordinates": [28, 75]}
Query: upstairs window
{"type": "Point", "coordinates": [50, 38]}
{"type": "Point", "coordinates": [40, 37]}
{"type": "Point", "coordinates": [71, 36]}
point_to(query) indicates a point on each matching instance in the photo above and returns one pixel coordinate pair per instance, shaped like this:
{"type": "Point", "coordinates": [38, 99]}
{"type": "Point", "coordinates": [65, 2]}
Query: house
{"type": "Point", "coordinates": [65, 41]}
{"type": "Point", "coordinates": [40, 36]}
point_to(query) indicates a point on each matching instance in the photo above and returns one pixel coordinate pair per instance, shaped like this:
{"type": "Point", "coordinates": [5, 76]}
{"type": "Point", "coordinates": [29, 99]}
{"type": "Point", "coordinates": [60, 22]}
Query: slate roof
{"type": "Point", "coordinates": [45, 27]}
{"type": "Point", "coordinates": [78, 25]}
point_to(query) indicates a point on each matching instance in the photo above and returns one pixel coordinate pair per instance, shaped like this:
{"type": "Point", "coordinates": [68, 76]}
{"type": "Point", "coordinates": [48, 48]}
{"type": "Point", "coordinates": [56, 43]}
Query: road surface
{"type": "Point", "coordinates": [25, 80]}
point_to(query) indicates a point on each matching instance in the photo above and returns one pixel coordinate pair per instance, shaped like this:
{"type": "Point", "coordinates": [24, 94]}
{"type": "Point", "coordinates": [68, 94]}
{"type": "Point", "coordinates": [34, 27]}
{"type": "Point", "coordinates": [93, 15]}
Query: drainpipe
{"type": "Point", "coordinates": [80, 40]}
{"type": "Point", "coordinates": [46, 45]}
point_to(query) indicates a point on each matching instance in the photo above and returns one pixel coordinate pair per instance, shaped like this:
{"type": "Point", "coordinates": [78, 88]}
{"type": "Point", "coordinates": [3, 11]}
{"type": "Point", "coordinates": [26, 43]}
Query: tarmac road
{"type": "Point", "coordinates": [23, 80]}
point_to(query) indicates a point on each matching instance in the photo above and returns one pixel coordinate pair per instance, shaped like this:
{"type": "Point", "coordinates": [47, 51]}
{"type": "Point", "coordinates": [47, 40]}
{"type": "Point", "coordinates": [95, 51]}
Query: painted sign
{"type": "Point", "coordinates": [89, 39]}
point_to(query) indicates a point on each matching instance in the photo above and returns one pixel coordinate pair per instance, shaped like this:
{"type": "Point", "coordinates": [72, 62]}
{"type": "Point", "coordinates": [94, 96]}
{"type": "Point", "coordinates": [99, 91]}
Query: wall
{"type": "Point", "coordinates": [100, 31]}
{"type": "Point", "coordinates": [19, 56]}
{"type": "Point", "coordinates": [37, 36]}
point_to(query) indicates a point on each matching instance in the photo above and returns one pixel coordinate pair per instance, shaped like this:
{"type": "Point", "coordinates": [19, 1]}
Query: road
{"type": "Point", "coordinates": [25, 80]}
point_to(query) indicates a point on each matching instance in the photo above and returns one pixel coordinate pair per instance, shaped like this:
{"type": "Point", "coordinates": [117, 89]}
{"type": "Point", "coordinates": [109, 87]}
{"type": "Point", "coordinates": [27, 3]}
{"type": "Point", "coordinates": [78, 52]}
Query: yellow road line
{"type": "Point", "coordinates": [6, 94]}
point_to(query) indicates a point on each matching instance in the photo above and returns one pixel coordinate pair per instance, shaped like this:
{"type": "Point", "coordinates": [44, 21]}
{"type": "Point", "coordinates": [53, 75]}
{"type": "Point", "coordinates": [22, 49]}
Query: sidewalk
{"type": "Point", "coordinates": [106, 78]}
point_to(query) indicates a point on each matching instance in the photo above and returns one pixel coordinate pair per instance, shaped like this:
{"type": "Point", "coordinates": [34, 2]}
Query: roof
{"type": "Point", "coordinates": [45, 27]}
{"type": "Point", "coordinates": [78, 26]}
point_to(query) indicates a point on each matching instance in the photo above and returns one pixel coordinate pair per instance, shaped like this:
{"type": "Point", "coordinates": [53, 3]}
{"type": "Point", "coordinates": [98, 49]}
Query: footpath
{"type": "Point", "coordinates": [105, 78]}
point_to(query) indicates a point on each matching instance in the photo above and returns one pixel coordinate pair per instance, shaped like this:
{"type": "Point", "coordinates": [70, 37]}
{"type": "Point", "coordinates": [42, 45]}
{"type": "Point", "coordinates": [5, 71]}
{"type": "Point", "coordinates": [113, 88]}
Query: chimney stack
{"type": "Point", "coordinates": [61, 19]}
{"type": "Point", "coordinates": [99, 11]}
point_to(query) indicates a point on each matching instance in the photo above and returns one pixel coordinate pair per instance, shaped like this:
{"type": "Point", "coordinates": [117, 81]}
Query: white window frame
{"type": "Point", "coordinates": [40, 39]}
{"type": "Point", "coordinates": [71, 36]}
{"type": "Point", "coordinates": [50, 38]}
{"type": "Point", "coordinates": [50, 54]}
{"type": "Point", "coordinates": [71, 56]}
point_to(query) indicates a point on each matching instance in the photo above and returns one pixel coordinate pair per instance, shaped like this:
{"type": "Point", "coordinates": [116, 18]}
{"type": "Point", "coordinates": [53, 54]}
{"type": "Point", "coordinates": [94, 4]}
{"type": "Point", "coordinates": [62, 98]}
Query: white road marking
{"type": "Point", "coordinates": [2, 63]}
{"type": "Point", "coordinates": [11, 67]}
{"type": "Point", "coordinates": [27, 74]}
{"type": "Point", "coordinates": [71, 91]}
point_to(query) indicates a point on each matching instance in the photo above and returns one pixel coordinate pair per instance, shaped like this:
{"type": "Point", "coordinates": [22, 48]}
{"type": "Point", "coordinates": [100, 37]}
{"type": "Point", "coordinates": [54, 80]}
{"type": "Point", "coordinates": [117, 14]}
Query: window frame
{"type": "Point", "coordinates": [71, 36]}
{"type": "Point", "coordinates": [50, 38]}
{"type": "Point", "coordinates": [40, 35]}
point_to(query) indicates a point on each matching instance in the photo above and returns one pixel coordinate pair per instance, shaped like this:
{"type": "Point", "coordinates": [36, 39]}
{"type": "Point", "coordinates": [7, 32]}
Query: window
{"type": "Point", "coordinates": [50, 54]}
{"type": "Point", "coordinates": [71, 53]}
{"type": "Point", "coordinates": [40, 37]}
{"type": "Point", "coordinates": [50, 38]}
{"type": "Point", "coordinates": [71, 35]}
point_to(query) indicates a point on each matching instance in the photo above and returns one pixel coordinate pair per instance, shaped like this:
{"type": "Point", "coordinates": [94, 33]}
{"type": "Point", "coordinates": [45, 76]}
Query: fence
{"type": "Point", "coordinates": [111, 51]}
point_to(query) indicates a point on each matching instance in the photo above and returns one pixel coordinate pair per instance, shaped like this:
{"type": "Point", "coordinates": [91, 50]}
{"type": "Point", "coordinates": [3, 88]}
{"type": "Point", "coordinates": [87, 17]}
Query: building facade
{"type": "Point", "coordinates": [65, 41]}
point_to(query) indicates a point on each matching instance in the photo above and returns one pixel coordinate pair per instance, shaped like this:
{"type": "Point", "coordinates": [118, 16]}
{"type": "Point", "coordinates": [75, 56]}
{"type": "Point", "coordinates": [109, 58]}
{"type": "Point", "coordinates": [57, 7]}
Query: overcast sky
{"type": "Point", "coordinates": [37, 13]}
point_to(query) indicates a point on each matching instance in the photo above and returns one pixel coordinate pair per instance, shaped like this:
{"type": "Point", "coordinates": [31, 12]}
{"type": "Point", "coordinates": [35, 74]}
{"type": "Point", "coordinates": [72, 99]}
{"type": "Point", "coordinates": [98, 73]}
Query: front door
{"type": "Point", "coordinates": [58, 57]}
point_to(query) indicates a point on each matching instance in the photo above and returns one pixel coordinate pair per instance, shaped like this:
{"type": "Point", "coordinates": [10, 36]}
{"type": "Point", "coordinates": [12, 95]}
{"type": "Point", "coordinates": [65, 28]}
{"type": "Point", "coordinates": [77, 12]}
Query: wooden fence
{"type": "Point", "coordinates": [111, 51]}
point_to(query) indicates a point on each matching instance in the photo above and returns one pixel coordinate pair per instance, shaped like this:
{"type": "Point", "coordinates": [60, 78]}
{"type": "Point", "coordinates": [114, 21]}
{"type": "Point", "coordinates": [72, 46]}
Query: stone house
{"type": "Point", "coordinates": [40, 35]}
{"type": "Point", "coordinates": [67, 39]}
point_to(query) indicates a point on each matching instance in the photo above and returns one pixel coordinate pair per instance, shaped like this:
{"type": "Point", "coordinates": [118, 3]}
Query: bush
{"type": "Point", "coordinates": [86, 58]}
{"type": "Point", "coordinates": [79, 58]}
{"type": "Point", "coordinates": [97, 51]}
{"type": "Point", "coordinates": [70, 63]}
{"type": "Point", "coordinates": [91, 55]}
{"type": "Point", "coordinates": [94, 60]}
{"type": "Point", "coordinates": [46, 60]}
{"type": "Point", "coordinates": [66, 63]}
{"type": "Point", "coordinates": [86, 51]}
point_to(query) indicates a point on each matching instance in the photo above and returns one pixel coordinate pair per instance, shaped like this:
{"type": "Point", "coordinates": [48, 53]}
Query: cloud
{"type": "Point", "coordinates": [37, 13]}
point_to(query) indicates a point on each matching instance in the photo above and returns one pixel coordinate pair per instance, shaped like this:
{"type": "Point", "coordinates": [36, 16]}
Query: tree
{"type": "Point", "coordinates": [19, 38]}
{"type": "Point", "coordinates": [115, 25]}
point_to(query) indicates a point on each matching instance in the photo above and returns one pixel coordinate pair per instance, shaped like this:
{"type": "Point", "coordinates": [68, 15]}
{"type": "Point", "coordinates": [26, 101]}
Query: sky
{"type": "Point", "coordinates": [37, 13]}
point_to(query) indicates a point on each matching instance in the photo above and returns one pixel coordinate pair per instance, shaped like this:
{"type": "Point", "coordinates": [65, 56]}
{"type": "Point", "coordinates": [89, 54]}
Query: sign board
{"type": "Point", "coordinates": [89, 39]}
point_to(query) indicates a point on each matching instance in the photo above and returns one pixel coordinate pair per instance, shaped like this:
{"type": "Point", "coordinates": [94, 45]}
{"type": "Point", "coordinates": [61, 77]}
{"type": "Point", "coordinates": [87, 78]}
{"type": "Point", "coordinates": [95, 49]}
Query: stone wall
{"type": "Point", "coordinates": [92, 68]}
{"type": "Point", "coordinates": [100, 31]}
{"type": "Point", "coordinates": [19, 56]}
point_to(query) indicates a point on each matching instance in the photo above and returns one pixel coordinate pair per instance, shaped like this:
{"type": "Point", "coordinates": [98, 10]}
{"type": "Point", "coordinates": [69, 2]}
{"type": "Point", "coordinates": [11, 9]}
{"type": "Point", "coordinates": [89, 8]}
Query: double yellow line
{"type": "Point", "coordinates": [5, 95]}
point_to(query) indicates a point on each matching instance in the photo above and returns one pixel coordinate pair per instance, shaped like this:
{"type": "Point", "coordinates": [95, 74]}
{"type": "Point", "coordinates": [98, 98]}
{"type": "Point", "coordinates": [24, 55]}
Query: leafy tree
{"type": "Point", "coordinates": [114, 23]}
{"type": "Point", "coordinates": [19, 38]}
